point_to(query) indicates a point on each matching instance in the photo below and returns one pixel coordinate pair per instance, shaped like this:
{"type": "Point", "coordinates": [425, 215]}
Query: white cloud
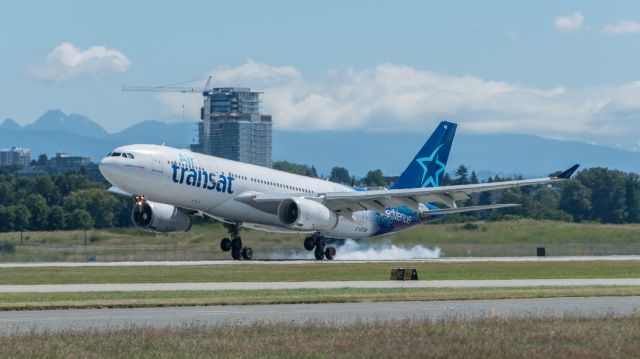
{"type": "Point", "coordinates": [67, 62]}
{"type": "Point", "coordinates": [622, 27]}
{"type": "Point", "coordinates": [391, 97]}
{"type": "Point", "coordinates": [512, 35]}
{"type": "Point", "coordinates": [571, 22]}
{"type": "Point", "coordinates": [254, 72]}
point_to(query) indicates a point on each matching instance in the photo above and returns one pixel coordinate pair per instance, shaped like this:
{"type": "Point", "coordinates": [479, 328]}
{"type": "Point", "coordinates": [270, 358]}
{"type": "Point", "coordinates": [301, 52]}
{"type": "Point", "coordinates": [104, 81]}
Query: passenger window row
{"type": "Point", "coordinates": [276, 184]}
{"type": "Point", "coordinates": [256, 180]}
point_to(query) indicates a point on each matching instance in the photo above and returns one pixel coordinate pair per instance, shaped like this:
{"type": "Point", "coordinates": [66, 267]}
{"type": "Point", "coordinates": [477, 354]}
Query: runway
{"type": "Point", "coordinates": [54, 320]}
{"type": "Point", "coordinates": [305, 261]}
{"type": "Point", "coordinates": [146, 287]}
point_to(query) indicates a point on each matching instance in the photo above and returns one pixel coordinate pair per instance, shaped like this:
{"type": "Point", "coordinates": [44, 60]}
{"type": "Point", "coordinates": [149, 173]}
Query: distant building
{"type": "Point", "coordinates": [232, 126]}
{"type": "Point", "coordinates": [31, 172]}
{"type": "Point", "coordinates": [63, 163]}
{"type": "Point", "coordinates": [15, 156]}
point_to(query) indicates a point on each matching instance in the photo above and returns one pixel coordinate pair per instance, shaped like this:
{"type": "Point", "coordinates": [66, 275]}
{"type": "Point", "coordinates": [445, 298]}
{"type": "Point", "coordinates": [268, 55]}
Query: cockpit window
{"type": "Point", "coordinates": [130, 155]}
{"type": "Point", "coordinates": [124, 155]}
{"type": "Point", "coordinates": [116, 154]}
{"type": "Point", "coordinates": [109, 154]}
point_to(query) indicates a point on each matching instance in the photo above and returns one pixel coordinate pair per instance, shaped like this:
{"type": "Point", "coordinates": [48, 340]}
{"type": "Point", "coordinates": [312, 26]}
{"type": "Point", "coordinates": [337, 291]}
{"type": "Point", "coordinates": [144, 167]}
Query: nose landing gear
{"type": "Point", "coordinates": [235, 244]}
{"type": "Point", "coordinates": [317, 243]}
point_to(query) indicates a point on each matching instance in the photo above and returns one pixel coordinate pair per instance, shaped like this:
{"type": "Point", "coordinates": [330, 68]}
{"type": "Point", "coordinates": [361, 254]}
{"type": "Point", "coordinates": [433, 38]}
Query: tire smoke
{"type": "Point", "coordinates": [352, 250]}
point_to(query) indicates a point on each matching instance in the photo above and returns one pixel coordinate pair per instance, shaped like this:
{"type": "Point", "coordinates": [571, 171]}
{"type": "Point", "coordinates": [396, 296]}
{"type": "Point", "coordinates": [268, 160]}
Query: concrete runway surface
{"type": "Point", "coordinates": [20, 321]}
{"type": "Point", "coordinates": [305, 261]}
{"type": "Point", "coordinates": [146, 287]}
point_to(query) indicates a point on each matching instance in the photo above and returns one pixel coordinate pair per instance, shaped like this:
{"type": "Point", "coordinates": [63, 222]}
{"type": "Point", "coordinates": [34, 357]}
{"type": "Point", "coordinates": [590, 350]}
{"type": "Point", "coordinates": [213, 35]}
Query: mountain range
{"type": "Point", "coordinates": [358, 151]}
{"type": "Point", "coordinates": [78, 135]}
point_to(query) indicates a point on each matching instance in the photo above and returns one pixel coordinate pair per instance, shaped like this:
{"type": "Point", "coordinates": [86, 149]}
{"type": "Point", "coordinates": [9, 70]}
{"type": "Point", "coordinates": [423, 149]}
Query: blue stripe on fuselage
{"type": "Point", "coordinates": [399, 218]}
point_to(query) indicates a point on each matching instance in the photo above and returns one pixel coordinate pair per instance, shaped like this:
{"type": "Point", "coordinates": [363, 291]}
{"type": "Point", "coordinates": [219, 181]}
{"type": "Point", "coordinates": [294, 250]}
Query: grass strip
{"type": "Point", "coordinates": [42, 301]}
{"type": "Point", "coordinates": [311, 271]}
{"type": "Point", "coordinates": [575, 337]}
{"type": "Point", "coordinates": [524, 231]}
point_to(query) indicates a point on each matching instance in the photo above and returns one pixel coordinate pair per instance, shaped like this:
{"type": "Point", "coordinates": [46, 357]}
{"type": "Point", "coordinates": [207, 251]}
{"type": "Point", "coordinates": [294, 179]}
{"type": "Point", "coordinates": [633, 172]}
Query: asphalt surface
{"type": "Point", "coordinates": [55, 320]}
{"type": "Point", "coordinates": [146, 287]}
{"type": "Point", "coordinates": [297, 261]}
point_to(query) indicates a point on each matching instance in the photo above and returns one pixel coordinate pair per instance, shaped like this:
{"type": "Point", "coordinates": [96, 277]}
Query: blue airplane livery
{"type": "Point", "coordinates": [200, 178]}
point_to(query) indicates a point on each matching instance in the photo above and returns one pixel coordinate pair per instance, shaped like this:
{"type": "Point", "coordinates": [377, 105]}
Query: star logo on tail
{"type": "Point", "coordinates": [431, 165]}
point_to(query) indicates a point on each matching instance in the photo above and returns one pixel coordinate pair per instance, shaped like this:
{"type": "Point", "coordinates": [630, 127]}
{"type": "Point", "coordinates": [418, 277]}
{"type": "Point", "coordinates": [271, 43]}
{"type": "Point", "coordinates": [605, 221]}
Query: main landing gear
{"type": "Point", "coordinates": [235, 244]}
{"type": "Point", "coordinates": [317, 243]}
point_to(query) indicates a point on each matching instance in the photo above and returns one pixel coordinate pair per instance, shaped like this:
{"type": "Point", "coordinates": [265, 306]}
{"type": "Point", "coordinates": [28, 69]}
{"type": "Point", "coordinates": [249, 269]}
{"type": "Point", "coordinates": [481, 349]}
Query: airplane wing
{"type": "Point", "coordinates": [378, 200]}
{"type": "Point", "coordinates": [435, 212]}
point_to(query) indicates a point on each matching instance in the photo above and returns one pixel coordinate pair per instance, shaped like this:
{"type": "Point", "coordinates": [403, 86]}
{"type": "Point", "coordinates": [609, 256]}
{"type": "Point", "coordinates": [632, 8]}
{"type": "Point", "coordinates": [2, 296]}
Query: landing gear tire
{"type": "Point", "coordinates": [330, 253]}
{"type": "Point", "coordinates": [319, 253]}
{"type": "Point", "coordinates": [235, 243]}
{"type": "Point", "coordinates": [309, 243]}
{"type": "Point", "coordinates": [247, 253]}
{"type": "Point", "coordinates": [225, 244]}
{"type": "Point", "coordinates": [320, 243]}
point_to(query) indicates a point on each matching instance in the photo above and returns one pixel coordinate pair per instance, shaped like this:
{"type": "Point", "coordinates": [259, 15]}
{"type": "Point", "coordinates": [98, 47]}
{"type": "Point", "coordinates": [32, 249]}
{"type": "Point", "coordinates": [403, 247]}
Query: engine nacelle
{"type": "Point", "coordinates": [305, 214]}
{"type": "Point", "coordinates": [160, 217]}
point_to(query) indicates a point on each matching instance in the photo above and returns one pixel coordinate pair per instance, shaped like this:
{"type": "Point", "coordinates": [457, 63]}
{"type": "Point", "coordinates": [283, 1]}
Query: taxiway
{"type": "Point", "coordinates": [217, 286]}
{"type": "Point", "coordinates": [307, 261]}
{"type": "Point", "coordinates": [82, 319]}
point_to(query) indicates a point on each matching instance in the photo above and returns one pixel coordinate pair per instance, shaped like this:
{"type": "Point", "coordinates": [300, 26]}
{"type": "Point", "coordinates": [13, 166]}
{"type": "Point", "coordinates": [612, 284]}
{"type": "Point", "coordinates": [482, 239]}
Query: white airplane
{"type": "Point", "coordinates": [170, 185]}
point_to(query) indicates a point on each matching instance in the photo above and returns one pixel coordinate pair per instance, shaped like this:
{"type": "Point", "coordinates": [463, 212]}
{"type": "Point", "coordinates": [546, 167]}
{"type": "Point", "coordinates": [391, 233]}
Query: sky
{"type": "Point", "coordinates": [558, 69]}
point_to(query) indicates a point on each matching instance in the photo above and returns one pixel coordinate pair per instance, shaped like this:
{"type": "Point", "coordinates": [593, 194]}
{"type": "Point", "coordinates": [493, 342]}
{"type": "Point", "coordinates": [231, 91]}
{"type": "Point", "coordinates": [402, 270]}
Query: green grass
{"type": "Point", "coordinates": [324, 271]}
{"type": "Point", "coordinates": [504, 232]}
{"type": "Point", "coordinates": [488, 239]}
{"type": "Point", "coordinates": [524, 232]}
{"type": "Point", "coordinates": [33, 301]}
{"type": "Point", "coordinates": [200, 234]}
{"type": "Point", "coordinates": [605, 337]}
{"type": "Point", "coordinates": [202, 242]}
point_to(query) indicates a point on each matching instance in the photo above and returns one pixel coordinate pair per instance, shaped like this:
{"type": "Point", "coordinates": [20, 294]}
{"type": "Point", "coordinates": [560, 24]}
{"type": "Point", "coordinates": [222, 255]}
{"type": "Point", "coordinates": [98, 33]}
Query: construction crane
{"type": "Point", "coordinates": [172, 88]}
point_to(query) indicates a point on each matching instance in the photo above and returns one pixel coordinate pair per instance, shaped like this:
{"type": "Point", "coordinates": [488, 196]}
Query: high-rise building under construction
{"type": "Point", "coordinates": [232, 126]}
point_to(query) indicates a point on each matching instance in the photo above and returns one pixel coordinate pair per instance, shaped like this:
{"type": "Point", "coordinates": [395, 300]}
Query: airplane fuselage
{"type": "Point", "coordinates": [212, 185]}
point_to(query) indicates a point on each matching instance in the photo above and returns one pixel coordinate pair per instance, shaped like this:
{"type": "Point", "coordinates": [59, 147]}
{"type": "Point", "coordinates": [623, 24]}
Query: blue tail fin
{"type": "Point", "coordinates": [427, 167]}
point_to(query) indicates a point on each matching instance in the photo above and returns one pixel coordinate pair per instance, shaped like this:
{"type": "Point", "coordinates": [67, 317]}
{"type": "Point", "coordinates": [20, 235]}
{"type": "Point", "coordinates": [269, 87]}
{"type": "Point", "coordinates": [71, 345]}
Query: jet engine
{"type": "Point", "coordinates": [160, 217]}
{"type": "Point", "coordinates": [305, 214]}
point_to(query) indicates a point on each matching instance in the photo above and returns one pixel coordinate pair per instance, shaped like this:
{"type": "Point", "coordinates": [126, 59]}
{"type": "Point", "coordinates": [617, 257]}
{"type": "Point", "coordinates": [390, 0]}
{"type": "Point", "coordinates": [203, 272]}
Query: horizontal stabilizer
{"type": "Point", "coordinates": [434, 212]}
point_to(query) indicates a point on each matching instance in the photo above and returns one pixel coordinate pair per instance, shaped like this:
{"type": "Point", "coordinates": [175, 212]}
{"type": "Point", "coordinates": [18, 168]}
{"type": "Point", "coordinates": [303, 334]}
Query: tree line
{"type": "Point", "coordinates": [69, 201]}
{"type": "Point", "coordinates": [75, 201]}
{"type": "Point", "coordinates": [595, 195]}
{"type": "Point", "coordinates": [374, 178]}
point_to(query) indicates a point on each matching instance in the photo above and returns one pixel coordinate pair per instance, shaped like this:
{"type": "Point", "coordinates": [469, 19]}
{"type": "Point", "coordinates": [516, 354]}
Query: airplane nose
{"type": "Point", "coordinates": [104, 166]}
